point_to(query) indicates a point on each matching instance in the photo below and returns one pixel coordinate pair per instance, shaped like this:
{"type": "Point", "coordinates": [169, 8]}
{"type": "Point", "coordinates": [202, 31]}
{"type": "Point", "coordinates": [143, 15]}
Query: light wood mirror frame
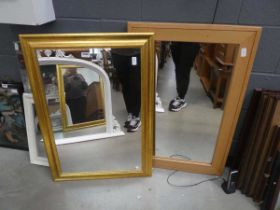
{"type": "Point", "coordinates": [65, 120]}
{"type": "Point", "coordinates": [144, 41]}
{"type": "Point", "coordinates": [246, 37]}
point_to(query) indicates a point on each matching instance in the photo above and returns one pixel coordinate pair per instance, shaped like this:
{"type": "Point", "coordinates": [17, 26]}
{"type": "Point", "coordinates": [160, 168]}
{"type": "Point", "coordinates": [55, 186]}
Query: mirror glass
{"type": "Point", "coordinates": [192, 84]}
{"type": "Point", "coordinates": [83, 106]}
{"type": "Point", "coordinates": [94, 105]}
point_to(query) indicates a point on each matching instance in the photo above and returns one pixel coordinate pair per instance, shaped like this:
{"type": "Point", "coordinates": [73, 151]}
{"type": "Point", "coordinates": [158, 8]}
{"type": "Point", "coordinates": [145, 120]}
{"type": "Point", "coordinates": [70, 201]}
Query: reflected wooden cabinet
{"type": "Point", "coordinates": [225, 53]}
{"type": "Point", "coordinates": [110, 69]}
{"type": "Point", "coordinates": [95, 102]}
{"type": "Point", "coordinates": [214, 64]}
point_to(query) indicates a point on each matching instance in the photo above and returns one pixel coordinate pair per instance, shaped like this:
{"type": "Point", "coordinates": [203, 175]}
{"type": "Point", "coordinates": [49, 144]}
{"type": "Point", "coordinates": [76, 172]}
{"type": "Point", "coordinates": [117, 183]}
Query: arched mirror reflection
{"type": "Point", "coordinates": [81, 97]}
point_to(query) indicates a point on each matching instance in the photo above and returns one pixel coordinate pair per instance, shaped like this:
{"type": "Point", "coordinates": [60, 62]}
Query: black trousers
{"type": "Point", "coordinates": [183, 54]}
{"type": "Point", "coordinates": [77, 108]}
{"type": "Point", "coordinates": [129, 75]}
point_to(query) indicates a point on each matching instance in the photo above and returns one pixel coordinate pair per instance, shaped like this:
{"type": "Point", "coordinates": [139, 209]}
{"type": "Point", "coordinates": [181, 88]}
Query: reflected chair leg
{"type": "Point", "coordinates": [217, 92]}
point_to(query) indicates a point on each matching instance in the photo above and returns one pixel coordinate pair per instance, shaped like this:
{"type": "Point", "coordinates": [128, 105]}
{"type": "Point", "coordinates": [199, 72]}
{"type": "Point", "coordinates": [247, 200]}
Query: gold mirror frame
{"type": "Point", "coordinates": [144, 41]}
{"type": "Point", "coordinates": [63, 111]}
{"type": "Point", "coordinates": [245, 37]}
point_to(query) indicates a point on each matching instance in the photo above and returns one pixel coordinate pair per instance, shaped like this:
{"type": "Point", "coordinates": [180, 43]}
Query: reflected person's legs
{"type": "Point", "coordinates": [77, 108]}
{"type": "Point", "coordinates": [129, 77]}
{"type": "Point", "coordinates": [121, 63]}
{"type": "Point", "coordinates": [135, 86]}
{"type": "Point", "coordinates": [183, 54]}
{"type": "Point", "coordinates": [135, 93]}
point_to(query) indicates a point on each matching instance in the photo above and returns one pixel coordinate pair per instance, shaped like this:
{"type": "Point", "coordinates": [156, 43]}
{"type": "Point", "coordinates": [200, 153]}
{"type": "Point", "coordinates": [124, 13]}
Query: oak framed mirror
{"type": "Point", "coordinates": [201, 82]}
{"type": "Point", "coordinates": [94, 65]}
{"type": "Point", "coordinates": [92, 85]}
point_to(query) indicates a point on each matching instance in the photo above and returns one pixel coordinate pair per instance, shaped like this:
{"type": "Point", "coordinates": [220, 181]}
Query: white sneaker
{"type": "Point", "coordinates": [129, 118]}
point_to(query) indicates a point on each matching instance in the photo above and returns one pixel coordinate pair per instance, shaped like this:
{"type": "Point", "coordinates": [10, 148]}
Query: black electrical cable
{"type": "Point", "coordinates": [189, 185]}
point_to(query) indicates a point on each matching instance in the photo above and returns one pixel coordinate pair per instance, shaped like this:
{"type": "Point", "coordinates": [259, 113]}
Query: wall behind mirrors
{"type": "Point", "coordinates": [92, 99]}
{"type": "Point", "coordinates": [202, 76]}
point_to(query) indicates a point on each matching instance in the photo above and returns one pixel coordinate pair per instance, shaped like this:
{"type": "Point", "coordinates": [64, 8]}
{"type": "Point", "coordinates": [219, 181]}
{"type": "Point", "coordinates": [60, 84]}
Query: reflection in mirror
{"type": "Point", "coordinates": [98, 125]}
{"type": "Point", "coordinates": [192, 84]}
{"type": "Point", "coordinates": [81, 96]}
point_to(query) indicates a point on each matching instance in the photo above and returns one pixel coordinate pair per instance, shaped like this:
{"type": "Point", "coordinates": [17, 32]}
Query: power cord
{"type": "Point", "coordinates": [188, 185]}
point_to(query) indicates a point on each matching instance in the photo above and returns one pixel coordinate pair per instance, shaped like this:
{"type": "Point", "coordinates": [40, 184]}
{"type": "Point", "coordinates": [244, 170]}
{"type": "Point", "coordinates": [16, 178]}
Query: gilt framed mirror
{"type": "Point", "coordinates": [91, 85]}
{"type": "Point", "coordinates": [202, 75]}
{"type": "Point", "coordinates": [93, 95]}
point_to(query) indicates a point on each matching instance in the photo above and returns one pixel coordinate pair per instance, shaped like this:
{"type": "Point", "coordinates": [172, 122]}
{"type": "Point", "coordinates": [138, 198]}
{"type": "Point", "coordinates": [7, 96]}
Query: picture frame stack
{"type": "Point", "coordinates": [12, 121]}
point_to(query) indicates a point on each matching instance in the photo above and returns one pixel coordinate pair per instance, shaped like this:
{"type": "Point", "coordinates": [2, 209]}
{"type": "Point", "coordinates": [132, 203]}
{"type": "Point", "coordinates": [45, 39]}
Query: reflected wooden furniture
{"type": "Point", "coordinates": [214, 64]}
{"type": "Point", "coordinates": [225, 54]}
{"type": "Point", "coordinates": [110, 69]}
{"type": "Point", "coordinates": [202, 67]}
{"type": "Point", "coordinates": [219, 81]}
{"type": "Point", "coordinates": [95, 102]}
